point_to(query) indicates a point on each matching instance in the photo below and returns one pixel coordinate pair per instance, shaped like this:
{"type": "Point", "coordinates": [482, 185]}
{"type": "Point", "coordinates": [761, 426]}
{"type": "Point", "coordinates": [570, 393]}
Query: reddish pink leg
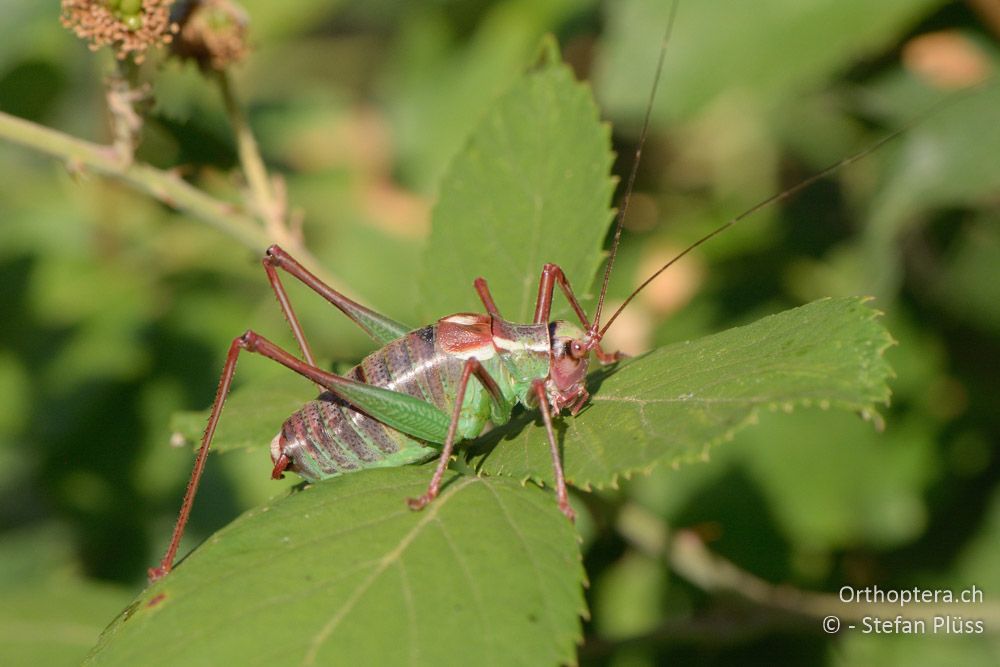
{"type": "Point", "coordinates": [552, 274]}
{"type": "Point", "coordinates": [251, 342]}
{"type": "Point", "coordinates": [275, 258]}
{"type": "Point", "coordinates": [543, 404]}
{"type": "Point", "coordinates": [166, 563]}
{"type": "Point", "coordinates": [484, 295]}
{"type": "Point", "coordinates": [471, 366]}
{"type": "Point", "coordinates": [272, 258]}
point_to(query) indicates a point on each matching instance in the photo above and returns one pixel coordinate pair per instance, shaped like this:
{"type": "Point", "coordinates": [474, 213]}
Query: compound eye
{"type": "Point", "coordinates": [576, 349]}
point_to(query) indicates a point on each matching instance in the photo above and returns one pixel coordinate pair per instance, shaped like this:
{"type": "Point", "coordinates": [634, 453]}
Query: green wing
{"type": "Point", "coordinates": [405, 413]}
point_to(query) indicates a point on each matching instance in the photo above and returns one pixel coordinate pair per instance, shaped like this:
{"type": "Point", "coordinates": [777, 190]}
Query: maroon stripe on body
{"type": "Point", "coordinates": [464, 333]}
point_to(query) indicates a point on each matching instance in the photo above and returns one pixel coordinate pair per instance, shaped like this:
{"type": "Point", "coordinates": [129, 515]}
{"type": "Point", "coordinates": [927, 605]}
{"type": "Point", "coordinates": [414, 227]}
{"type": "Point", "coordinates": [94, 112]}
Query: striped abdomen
{"type": "Point", "coordinates": [328, 436]}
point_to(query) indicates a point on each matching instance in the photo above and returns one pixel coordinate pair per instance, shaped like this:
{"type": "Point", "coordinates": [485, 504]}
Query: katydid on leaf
{"type": "Point", "coordinates": [426, 389]}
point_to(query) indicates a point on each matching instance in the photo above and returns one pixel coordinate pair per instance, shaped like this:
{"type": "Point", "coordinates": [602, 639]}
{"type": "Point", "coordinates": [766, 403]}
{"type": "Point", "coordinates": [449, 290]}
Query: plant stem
{"type": "Point", "coordinates": [165, 186]}
{"type": "Point", "coordinates": [774, 608]}
{"type": "Point", "coordinates": [262, 192]}
{"type": "Point", "coordinates": [691, 559]}
{"type": "Point", "coordinates": [123, 92]}
{"type": "Point", "coordinates": [172, 190]}
{"type": "Point", "coordinates": [267, 194]}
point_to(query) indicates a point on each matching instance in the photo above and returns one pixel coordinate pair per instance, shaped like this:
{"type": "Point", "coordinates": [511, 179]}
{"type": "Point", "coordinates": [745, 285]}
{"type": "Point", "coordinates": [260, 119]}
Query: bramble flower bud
{"type": "Point", "coordinates": [129, 27]}
{"type": "Point", "coordinates": [213, 33]}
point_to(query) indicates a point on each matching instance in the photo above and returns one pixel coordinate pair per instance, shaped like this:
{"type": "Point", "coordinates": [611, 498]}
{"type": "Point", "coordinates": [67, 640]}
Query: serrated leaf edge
{"type": "Point", "coordinates": [866, 410]}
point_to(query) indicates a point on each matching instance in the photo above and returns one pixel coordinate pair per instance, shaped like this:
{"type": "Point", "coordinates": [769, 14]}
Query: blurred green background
{"type": "Point", "coordinates": [117, 312]}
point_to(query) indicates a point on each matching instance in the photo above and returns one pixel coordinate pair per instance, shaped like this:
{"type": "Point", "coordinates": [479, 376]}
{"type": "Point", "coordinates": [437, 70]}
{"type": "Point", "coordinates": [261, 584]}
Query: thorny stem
{"type": "Point", "coordinates": [168, 187]}
{"type": "Point", "coordinates": [165, 186]}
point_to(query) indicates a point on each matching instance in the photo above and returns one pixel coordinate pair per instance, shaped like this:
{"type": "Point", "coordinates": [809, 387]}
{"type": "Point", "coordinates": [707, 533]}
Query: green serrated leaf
{"type": "Point", "coordinates": [344, 573]}
{"type": "Point", "coordinates": [674, 403]}
{"type": "Point", "coordinates": [531, 187]}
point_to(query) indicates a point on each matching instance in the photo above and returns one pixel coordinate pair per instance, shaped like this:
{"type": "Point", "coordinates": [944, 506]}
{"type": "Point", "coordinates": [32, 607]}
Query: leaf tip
{"type": "Point", "coordinates": [548, 53]}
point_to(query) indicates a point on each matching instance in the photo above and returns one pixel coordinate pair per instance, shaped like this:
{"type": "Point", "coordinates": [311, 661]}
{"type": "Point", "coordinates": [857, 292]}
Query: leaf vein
{"type": "Point", "coordinates": [429, 515]}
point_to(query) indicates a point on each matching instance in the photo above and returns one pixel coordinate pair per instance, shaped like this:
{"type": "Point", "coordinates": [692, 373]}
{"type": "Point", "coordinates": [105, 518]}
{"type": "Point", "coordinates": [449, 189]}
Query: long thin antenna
{"type": "Point", "coordinates": [595, 326]}
{"type": "Point", "coordinates": [785, 195]}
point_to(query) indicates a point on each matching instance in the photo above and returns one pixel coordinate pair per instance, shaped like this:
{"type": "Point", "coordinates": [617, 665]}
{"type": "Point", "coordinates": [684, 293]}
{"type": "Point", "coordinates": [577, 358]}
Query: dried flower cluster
{"type": "Point", "coordinates": [129, 30]}
{"type": "Point", "coordinates": [214, 33]}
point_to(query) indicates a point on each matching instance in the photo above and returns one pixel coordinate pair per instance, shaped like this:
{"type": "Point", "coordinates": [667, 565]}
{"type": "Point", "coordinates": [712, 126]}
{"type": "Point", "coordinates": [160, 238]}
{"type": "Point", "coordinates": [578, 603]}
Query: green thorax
{"type": "Point", "coordinates": [523, 353]}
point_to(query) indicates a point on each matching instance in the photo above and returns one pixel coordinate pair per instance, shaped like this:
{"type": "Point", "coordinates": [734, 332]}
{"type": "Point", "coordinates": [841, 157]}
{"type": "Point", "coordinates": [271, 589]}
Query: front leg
{"type": "Point", "coordinates": [552, 274]}
{"type": "Point", "coordinates": [538, 386]}
{"type": "Point", "coordinates": [248, 342]}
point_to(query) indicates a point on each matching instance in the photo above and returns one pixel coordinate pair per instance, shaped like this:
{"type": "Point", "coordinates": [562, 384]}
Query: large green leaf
{"type": "Point", "coordinates": [531, 187]}
{"type": "Point", "coordinates": [674, 403]}
{"type": "Point", "coordinates": [344, 573]}
{"type": "Point", "coordinates": [440, 83]}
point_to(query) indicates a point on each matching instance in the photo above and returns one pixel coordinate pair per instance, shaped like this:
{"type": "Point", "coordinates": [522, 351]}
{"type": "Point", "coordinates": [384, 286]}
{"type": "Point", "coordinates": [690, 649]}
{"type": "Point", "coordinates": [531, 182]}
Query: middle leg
{"type": "Point", "coordinates": [471, 367]}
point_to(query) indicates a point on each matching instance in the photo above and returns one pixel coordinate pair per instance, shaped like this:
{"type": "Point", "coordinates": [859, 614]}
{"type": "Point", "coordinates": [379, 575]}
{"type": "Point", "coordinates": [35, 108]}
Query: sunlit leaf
{"type": "Point", "coordinates": [531, 187]}
{"type": "Point", "coordinates": [441, 84]}
{"type": "Point", "coordinates": [345, 573]}
{"type": "Point", "coordinates": [673, 404]}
